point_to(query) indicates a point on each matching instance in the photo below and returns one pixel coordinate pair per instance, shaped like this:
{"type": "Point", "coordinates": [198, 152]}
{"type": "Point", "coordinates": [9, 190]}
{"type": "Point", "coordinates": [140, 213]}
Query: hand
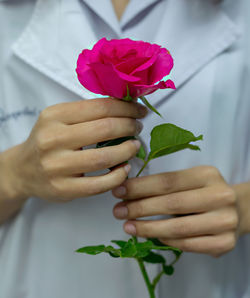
{"type": "Point", "coordinates": [210, 215]}
{"type": "Point", "coordinates": [50, 163]}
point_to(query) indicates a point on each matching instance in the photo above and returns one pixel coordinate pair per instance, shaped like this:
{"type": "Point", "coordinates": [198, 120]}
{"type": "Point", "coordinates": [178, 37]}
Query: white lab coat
{"type": "Point", "coordinates": [39, 44]}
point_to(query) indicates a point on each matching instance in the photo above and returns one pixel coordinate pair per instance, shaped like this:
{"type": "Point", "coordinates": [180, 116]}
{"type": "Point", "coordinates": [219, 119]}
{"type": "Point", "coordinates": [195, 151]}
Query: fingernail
{"type": "Point", "coordinates": [120, 191]}
{"type": "Point", "coordinates": [127, 168]}
{"type": "Point", "coordinates": [137, 144]}
{"type": "Point", "coordinates": [139, 127]}
{"type": "Point", "coordinates": [121, 212]}
{"type": "Point", "coordinates": [130, 228]}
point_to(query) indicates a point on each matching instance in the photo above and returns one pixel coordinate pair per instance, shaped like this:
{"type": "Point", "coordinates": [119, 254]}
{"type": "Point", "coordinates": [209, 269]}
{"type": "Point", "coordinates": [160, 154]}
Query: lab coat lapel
{"type": "Point", "coordinates": [51, 42]}
{"type": "Point", "coordinates": [195, 31]}
{"type": "Point", "coordinates": [101, 8]}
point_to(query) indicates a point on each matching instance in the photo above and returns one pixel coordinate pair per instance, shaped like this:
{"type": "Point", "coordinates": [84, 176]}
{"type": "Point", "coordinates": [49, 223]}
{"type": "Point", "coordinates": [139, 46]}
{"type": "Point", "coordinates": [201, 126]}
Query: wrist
{"type": "Point", "coordinates": [11, 185]}
{"type": "Point", "coordinates": [243, 201]}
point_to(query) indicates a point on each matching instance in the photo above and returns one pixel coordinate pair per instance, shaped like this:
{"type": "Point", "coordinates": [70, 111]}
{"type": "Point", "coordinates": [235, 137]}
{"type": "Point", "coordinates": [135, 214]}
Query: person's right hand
{"type": "Point", "coordinates": [51, 164]}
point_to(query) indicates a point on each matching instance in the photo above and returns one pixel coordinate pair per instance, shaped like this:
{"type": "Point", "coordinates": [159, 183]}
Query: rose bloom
{"type": "Point", "coordinates": [115, 66]}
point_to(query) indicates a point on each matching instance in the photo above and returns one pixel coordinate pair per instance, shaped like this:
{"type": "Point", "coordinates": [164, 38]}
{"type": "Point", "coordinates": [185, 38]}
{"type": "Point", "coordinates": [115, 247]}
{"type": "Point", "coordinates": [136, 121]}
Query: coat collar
{"type": "Point", "coordinates": [101, 8]}
{"type": "Point", "coordinates": [195, 32]}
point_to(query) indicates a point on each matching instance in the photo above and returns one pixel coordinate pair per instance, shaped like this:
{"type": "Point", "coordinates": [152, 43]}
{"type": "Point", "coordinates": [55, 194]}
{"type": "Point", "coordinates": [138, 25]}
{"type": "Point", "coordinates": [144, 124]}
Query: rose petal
{"type": "Point", "coordinates": [162, 66]}
{"type": "Point", "coordinates": [111, 83]}
{"type": "Point", "coordinates": [142, 90]}
{"type": "Point", "coordinates": [131, 64]}
{"type": "Point", "coordinates": [117, 50]}
{"type": "Point", "coordinates": [87, 76]}
{"type": "Point", "coordinates": [96, 51]}
{"type": "Point", "coordinates": [152, 57]}
{"type": "Point", "coordinates": [170, 84]}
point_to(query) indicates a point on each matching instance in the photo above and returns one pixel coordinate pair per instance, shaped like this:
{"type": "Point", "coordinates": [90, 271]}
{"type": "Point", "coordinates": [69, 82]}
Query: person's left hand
{"type": "Point", "coordinates": [208, 205]}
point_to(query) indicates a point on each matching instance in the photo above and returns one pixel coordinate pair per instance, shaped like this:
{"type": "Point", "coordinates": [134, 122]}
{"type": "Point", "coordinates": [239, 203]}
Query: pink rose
{"type": "Point", "coordinates": [115, 66]}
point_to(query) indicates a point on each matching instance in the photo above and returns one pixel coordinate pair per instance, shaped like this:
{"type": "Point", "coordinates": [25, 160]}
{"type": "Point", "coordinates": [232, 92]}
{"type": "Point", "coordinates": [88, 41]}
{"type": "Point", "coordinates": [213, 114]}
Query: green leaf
{"type": "Point", "coordinates": [156, 241]}
{"type": "Point", "coordinates": [113, 252]}
{"type": "Point", "coordinates": [148, 245]}
{"type": "Point", "coordinates": [177, 253]}
{"type": "Point", "coordinates": [114, 142]}
{"type": "Point", "coordinates": [120, 243]}
{"type": "Point", "coordinates": [169, 138]}
{"type": "Point", "coordinates": [128, 250]}
{"type": "Point", "coordinates": [92, 250]}
{"type": "Point", "coordinates": [141, 153]}
{"type": "Point", "coordinates": [144, 100]}
{"type": "Point", "coordinates": [154, 258]}
{"type": "Point", "coordinates": [168, 270]}
{"type": "Point", "coordinates": [95, 250]}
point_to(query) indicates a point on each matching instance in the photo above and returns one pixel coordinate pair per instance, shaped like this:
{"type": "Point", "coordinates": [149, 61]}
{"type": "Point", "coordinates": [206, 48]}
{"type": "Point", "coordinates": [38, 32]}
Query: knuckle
{"type": "Point", "coordinates": [46, 140]}
{"type": "Point", "coordinates": [185, 245]}
{"type": "Point", "coordinates": [173, 204]}
{"type": "Point", "coordinates": [93, 188]}
{"type": "Point", "coordinates": [79, 104]}
{"type": "Point", "coordinates": [51, 166]}
{"type": "Point", "coordinates": [131, 149]}
{"type": "Point", "coordinates": [230, 221]}
{"type": "Point", "coordinates": [46, 114]}
{"type": "Point", "coordinates": [46, 166]}
{"type": "Point", "coordinates": [167, 181]}
{"type": "Point", "coordinates": [112, 179]}
{"type": "Point", "coordinates": [225, 244]}
{"type": "Point", "coordinates": [101, 160]}
{"type": "Point", "coordinates": [43, 141]}
{"type": "Point", "coordinates": [107, 126]}
{"type": "Point", "coordinates": [119, 177]}
{"type": "Point", "coordinates": [234, 220]}
{"type": "Point", "coordinates": [143, 229]}
{"type": "Point", "coordinates": [103, 107]}
{"type": "Point", "coordinates": [135, 209]}
{"type": "Point", "coordinates": [228, 195]}
{"type": "Point", "coordinates": [231, 241]}
{"type": "Point", "coordinates": [210, 171]}
{"type": "Point", "coordinates": [181, 229]}
{"type": "Point", "coordinates": [58, 189]}
{"type": "Point", "coordinates": [133, 126]}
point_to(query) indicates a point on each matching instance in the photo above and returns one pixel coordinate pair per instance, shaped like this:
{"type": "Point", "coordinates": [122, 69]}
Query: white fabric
{"type": "Point", "coordinates": [39, 44]}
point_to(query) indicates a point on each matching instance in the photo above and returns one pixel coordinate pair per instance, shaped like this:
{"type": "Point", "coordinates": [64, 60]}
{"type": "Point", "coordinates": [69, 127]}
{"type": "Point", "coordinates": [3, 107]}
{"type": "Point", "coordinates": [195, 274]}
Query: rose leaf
{"type": "Point", "coordinates": [129, 249]}
{"type": "Point", "coordinates": [141, 153]}
{"type": "Point", "coordinates": [114, 142]}
{"type": "Point", "coordinates": [95, 250]}
{"type": "Point", "coordinates": [120, 243]}
{"type": "Point", "coordinates": [168, 138]}
{"type": "Point", "coordinates": [168, 270]}
{"type": "Point", "coordinates": [154, 258]}
{"type": "Point", "coordinates": [148, 245]}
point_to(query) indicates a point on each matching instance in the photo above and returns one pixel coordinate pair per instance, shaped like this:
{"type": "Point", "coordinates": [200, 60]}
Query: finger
{"type": "Point", "coordinates": [90, 160]}
{"type": "Point", "coordinates": [89, 133]}
{"type": "Point", "coordinates": [168, 182]}
{"type": "Point", "coordinates": [185, 202]}
{"type": "Point", "coordinates": [79, 187]}
{"type": "Point", "coordinates": [88, 110]}
{"type": "Point", "coordinates": [210, 223]}
{"type": "Point", "coordinates": [215, 245]}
